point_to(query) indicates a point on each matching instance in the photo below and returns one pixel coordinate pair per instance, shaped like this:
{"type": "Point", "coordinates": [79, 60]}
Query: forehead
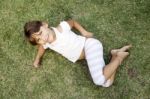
{"type": "Point", "coordinates": [42, 29]}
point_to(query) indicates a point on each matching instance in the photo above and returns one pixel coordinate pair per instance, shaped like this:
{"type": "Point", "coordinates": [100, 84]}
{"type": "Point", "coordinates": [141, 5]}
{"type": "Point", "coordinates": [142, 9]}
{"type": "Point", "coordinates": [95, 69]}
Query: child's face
{"type": "Point", "coordinates": [42, 36]}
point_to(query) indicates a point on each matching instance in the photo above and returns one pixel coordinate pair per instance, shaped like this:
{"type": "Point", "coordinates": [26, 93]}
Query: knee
{"type": "Point", "coordinates": [108, 83]}
{"type": "Point", "coordinates": [98, 84]}
{"type": "Point", "coordinates": [103, 82]}
{"type": "Point", "coordinates": [100, 81]}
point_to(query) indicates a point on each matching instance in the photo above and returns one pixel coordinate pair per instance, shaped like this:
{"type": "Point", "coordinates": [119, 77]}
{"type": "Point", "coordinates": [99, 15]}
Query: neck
{"type": "Point", "coordinates": [51, 36]}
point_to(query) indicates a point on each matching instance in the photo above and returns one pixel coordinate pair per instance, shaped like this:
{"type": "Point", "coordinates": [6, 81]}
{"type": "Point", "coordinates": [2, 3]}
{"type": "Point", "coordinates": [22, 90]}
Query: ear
{"type": "Point", "coordinates": [45, 24]}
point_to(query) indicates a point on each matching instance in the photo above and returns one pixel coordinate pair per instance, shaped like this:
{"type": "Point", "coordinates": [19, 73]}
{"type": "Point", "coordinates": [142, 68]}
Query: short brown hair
{"type": "Point", "coordinates": [30, 28]}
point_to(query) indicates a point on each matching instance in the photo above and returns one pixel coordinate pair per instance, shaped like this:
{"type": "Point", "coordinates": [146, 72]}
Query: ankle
{"type": "Point", "coordinates": [119, 59]}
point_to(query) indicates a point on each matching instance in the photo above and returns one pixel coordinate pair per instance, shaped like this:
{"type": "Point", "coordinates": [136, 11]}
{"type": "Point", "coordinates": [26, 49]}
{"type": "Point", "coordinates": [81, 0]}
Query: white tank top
{"type": "Point", "coordinates": [67, 43]}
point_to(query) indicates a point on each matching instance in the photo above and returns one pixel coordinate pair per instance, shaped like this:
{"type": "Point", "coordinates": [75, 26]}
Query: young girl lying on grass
{"type": "Point", "coordinates": [74, 47]}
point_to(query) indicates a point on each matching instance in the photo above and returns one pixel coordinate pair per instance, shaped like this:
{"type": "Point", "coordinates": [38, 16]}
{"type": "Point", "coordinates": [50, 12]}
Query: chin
{"type": "Point", "coordinates": [42, 43]}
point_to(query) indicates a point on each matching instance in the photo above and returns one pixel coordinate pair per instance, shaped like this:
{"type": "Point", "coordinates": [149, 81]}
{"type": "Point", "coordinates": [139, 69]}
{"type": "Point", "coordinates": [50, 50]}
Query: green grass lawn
{"type": "Point", "coordinates": [114, 22]}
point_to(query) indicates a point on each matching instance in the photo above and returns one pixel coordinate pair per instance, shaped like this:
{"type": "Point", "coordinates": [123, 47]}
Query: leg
{"type": "Point", "coordinates": [113, 65]}
{"type": "Point", "coordinates": [110, 81]}
{"type": "Point", "coordinates": [114, 55]}
{"type": "Point", "coordinates": [94, 56]}
{"type": "Point", "coordinates": [109, 73]}
{"type": "Point", "coordinates": [113, 75]}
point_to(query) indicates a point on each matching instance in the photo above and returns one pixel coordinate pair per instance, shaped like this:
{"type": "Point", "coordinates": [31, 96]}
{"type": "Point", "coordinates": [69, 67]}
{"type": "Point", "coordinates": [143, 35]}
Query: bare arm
{"type": "Point", "coordinates": [39, 55]}
{"type": "Point", "coordinates": [76, 25]}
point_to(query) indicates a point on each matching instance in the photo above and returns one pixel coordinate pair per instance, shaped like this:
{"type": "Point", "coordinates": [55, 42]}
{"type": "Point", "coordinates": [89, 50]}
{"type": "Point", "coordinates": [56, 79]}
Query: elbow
{"type": "Point", "coordinates": [71, 22]}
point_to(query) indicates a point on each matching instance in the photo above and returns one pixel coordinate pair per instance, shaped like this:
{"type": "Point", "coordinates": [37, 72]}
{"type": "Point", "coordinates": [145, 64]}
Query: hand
{"type": "Point", "coordinates": [36, 63]}
{"type": "Point", "coordinates": [88, 34]}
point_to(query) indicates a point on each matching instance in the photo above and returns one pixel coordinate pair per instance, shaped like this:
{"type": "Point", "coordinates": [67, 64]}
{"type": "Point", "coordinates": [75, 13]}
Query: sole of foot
{"type": "Point", "coordinates": [123, 49]}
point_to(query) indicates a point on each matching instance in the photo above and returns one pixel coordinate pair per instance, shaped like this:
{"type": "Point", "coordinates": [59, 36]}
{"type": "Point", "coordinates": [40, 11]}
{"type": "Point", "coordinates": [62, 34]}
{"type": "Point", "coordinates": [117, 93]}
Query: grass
{"type": "Point", "coordinates": [114, 22]}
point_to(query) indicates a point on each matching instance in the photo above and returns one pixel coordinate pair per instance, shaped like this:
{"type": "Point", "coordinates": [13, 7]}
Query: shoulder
{"type": "Point", "coordinates": [64, 26]}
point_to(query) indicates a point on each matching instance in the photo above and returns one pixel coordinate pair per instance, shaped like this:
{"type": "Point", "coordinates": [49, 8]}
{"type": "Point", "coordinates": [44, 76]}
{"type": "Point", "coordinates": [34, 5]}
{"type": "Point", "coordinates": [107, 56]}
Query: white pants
{"type": "Point", "coordinates": [94, 56]}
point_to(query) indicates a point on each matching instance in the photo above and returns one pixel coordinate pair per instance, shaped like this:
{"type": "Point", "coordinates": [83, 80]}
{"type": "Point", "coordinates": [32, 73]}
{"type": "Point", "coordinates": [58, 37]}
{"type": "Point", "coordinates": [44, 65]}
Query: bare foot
{"type": "Point", "coordinates": [36, 64]}
{"type": "Point", "coordinates": [122, 56]}
{"type": "Point", "coordinates": [123, 49]}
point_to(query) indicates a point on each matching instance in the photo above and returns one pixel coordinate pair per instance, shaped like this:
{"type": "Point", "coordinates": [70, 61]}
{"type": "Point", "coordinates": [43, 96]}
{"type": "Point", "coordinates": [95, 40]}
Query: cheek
{"type": "Point", "coordinates": [44, 36]}
{"type": "Point", "coordinates": [41, 37]}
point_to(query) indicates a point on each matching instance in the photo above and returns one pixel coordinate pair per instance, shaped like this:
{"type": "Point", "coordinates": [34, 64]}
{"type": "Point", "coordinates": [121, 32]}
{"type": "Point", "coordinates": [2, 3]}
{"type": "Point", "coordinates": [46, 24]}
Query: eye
{"type": "Point", "coordinates": [39, 33]}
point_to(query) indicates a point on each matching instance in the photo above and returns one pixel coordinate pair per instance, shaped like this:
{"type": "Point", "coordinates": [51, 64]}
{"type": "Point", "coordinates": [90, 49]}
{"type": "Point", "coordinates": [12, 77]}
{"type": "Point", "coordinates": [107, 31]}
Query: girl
{"type": "Point", "coordinates": [74, 47]}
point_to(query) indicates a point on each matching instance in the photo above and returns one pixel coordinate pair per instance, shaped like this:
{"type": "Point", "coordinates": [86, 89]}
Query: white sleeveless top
{"type": "Point", "coordinates": [67, 43]}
